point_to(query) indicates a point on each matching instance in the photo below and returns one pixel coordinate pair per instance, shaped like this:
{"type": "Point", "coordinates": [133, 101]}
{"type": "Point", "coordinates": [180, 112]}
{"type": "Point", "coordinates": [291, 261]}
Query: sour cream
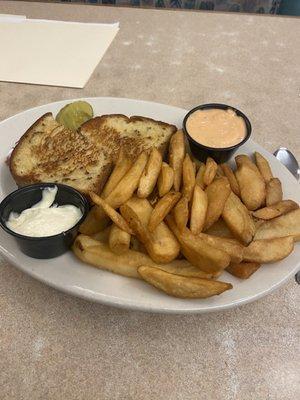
{"type": "Point", "coordinates": [216, 128]}
{"type": "Point", "coordinates": [44, 218]}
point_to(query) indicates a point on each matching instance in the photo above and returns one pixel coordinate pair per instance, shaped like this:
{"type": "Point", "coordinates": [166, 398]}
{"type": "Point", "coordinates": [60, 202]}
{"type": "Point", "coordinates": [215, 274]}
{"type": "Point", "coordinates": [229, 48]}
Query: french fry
{"type": "Point", "coordinates": [118, 240]}
{"type": "Point", "coordinates": [188, 177]}
{"type": "Point", "coordinates": [219, 228]}
{"type": "Point", "coordinates": [231, 246]}
{"type": "Point", "coordinates": [162, 208]}
{"type": "Point", "coordinates": [102, 236]}
{"type": "Point", "coordinates": [219, 172]}
{"type": "Point", "coordinates": [165, 180]}
{"type": "Point", "coordinates": [197, 251]}
{"type": "Point", "coordinates": [162, 250]}
{"type": "Point", "coordinates": [85, 241]}
{"type": "Point", "coordinates": [180, 286]}
{"type": "Point", "coordinates": [251, 183]}
{"type": "Point", "coordinates": [181, 213]}
{"type": "Point", "coordinates": [198, 210]}
{"type": "Point", "coordinates": [200, 176]}
{"type": "Point", "coordinates": [184, 268]}
{"type": "Point", "coordinates": [176, 157]}
{"type": "Point", "coordinates": [263, 166]}
{"type": "Point", "coordinates": [150, 175]}
{"type": "Point", "coordinates": [128, 184]}
{"type": "Point", "coordinates": [143, 209]}
{"type": "Point", "coordinates": [280, 208]}
{"type": "Point", "coordinates": [269, 250]}
{"type": "Point", "coordinates": [232, 179]}
{"type": "Point", "coordinates": [195, 167]}
{"type": "Point", "coordinates": [273, 191]}
{"type": "Point", "coordinates": [111, 213]}
{"type": "Point", "coordinates": [122, 166]}
{"type": "Point", "coordinates": [185, 262]}
{"type": "Point", "coordinates": [238, 219]}
{"type": "Point", "coordinates": [285, 225]}
{"type": "Point", "coordinates": [94, 222]}
{"type": "Point", "coordinates": [243, 270]}
{"type": "Point", "coordinates": [217, 195]}
{"type": "Point", "coordinates": [98, 220]}
{"type": "Point", "coordinates": [210, 171]}
{"type": "Point", "coordinates": [162, 234]}
{"type": "Point", "coordinates": [100, 255]}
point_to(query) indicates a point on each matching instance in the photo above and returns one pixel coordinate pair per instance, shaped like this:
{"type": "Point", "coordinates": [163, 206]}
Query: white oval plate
{"type": "Point", "coordinates": [68, 274]}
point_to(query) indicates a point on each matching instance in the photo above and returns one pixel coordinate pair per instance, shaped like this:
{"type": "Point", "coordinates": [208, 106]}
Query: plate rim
{"type": "Point", "coordinates": [109, 300]}
{"type": "Point", "coordinates": [112, 300]}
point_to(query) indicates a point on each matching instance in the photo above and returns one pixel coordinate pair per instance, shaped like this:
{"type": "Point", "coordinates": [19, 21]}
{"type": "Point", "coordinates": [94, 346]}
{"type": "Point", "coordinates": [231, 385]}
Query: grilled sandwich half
{"type": "Point", "coordinates": [48, 152]}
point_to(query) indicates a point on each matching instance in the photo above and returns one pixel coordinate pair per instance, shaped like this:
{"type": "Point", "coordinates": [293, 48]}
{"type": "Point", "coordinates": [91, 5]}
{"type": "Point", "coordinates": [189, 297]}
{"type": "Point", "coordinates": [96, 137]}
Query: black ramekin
{"type": "Point", "coordinates": [220, 155]}
{"type": "Point", "coordinates": [27, 196]}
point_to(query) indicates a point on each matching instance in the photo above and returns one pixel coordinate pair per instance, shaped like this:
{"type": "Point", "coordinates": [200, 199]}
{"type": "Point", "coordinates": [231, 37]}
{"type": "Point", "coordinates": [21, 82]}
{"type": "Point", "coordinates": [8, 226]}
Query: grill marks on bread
{"type": "Point", "coordinates": [48, 152]}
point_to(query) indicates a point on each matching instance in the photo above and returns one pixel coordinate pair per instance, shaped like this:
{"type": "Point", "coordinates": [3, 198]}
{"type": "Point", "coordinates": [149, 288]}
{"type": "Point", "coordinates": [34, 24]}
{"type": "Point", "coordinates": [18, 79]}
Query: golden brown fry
{"type": "Point", "coordinates": [128, 184]}
{"type": "Point", "coordinates": [197, 251]}
{"type": "Point", "coordinates": [97, 219]}
{"type": "Point", "coordinates": [219, 228]}
{"type": "Point", "coordinates": [251, 183]}
{"type": "Point", "coordinates": [219, 172]}
{"type": "Point", "coordinates": [119, 240]}
{"type": "Point", "coordinates": [180, 286]}
{"type": "Point", "coordinates": [200, 176]}
{"type": "Point", "coordinates": [111, 213]}
{"type": "Point", "coordinates": [162, 208]}
{"type": "Point", "coordinates": [184, 268]}
{"type": "Point", "coordinates": [217, 194]}
{"type": "Point", "coordinates": [263, 166]}
{"type": "Point", "coordinates": [163, 249]}
{"type": "Point", "coordinates": [232, 179]}
{"type": "Point", "coordinates": [176, 157]}
{"type": "Point", "coordinates": [281, 208]}
{"type": "Point", "coordinates": [181, 213]}
{"type": "Point", "coordinates": [268, 250]}
{"type": "Point", "coordinates": [195, 167]}
{"type": "Point", "coordinates": [102, 236]}
{"type": "Point", "coordinates": [94, 222]}
{"type": "Point", "coordinates": [210, 171]}
{"type": "Point", "coordinates": [243, 270]}
{"type": "Point", "coordinates": [230, 246]}
{"type": "Point", "coordinates": [188, 177]}
{"type": "Point", "coordinates": [85, 241]}
{"type": "Point", "coordinates": [162, 233]}
{"type": "Point", "coordinates": [136, 224]}
{"type": "Point", "coordinates": [150, 175]}
{"type": "Point", "coordinates": [198, 210]}
{"type": "Point", "coordinates": [273, 192]}
{"type": "Point", "coordinates": [122, 166]}
{"type": "Point", "coordinates": [99, 255]}
{"type": "Point", "coordinates": [285, 225]}
{"type": "Point", "coordinates": [165, 180]}
{"type": "Point", "coordinates": [238, 219]}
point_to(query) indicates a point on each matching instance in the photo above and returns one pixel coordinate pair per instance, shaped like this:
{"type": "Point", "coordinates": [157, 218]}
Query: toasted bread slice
{"type": "Point", "coordinates": [48, 152]}
{"type": "Point", "coordinates": [134, 134]}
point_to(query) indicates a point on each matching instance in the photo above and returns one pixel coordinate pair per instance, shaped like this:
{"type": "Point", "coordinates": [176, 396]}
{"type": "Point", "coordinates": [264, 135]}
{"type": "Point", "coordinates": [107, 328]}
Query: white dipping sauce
{"type": "Point", "coordinates": [43, 218]}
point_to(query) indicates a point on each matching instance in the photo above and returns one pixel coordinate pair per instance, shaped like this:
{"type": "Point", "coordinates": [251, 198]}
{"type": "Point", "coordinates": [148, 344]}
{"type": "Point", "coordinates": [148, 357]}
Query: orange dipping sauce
{"type": "Point", "coordinates": [216, 128]}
